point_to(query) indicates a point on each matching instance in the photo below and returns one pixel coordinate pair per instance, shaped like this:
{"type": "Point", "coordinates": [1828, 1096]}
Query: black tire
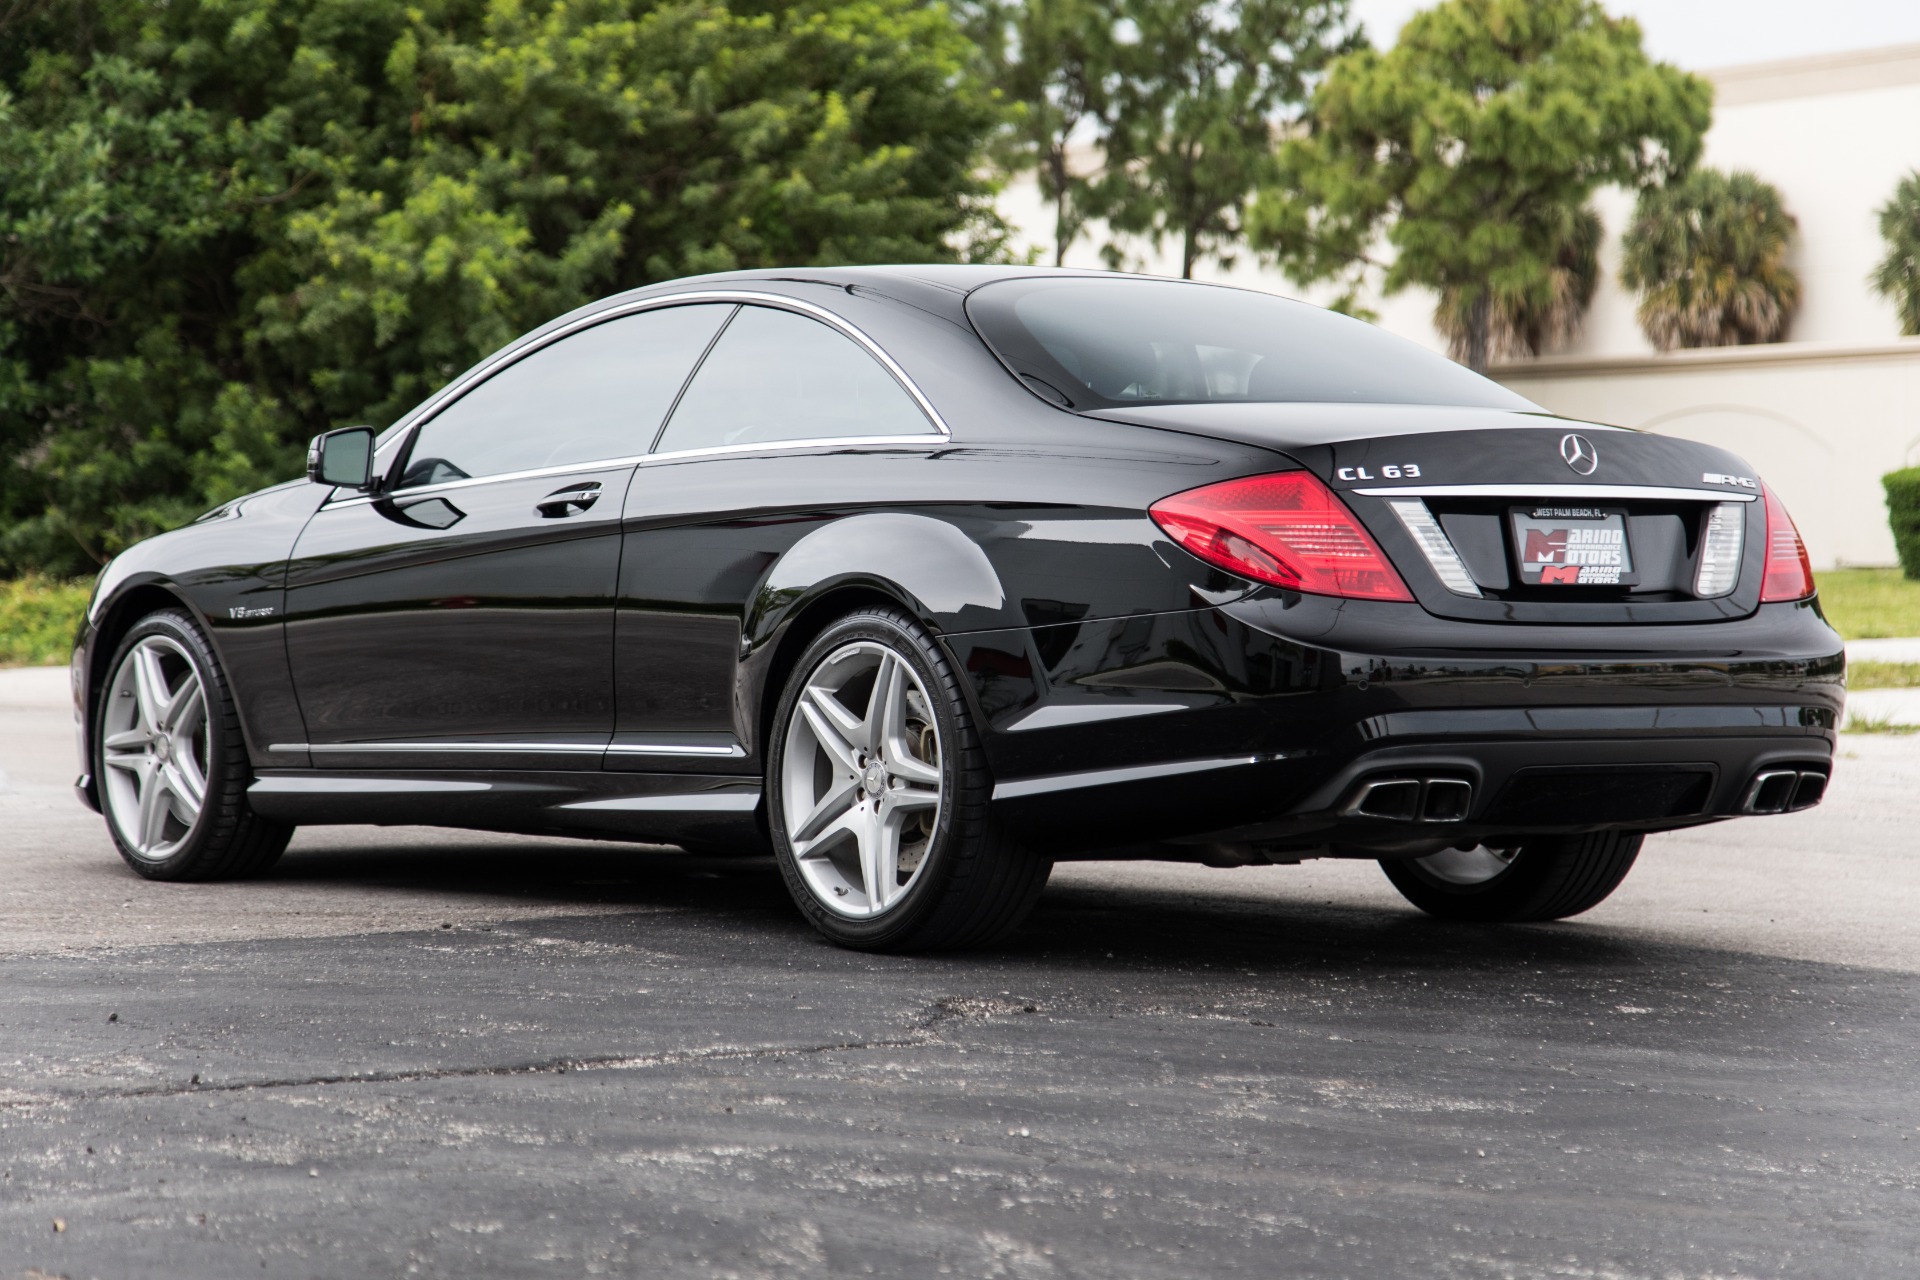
{"type": "Point", "coordinates": [1549, 878]}
{"type": "Point", "coordinates": [975, 884]}
{"type": "Point", "coordinates": [227, 840]}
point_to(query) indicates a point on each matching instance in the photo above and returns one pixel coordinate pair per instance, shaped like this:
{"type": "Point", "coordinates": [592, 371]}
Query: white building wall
{"type": "Point", "coordinates": [1835, 134]}
{"type": "Point", "coordinates": [1820, 422]}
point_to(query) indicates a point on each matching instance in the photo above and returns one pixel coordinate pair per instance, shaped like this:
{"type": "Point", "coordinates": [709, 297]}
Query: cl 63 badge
{"type": "Point", "coordinates": [1401, 471]}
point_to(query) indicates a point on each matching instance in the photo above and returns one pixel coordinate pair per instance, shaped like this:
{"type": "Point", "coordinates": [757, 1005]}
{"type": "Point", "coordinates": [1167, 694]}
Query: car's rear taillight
{"type": "Point", "coordinates": [1789, 572]}
{"type": "Point", "coordinates": [1288, 530]}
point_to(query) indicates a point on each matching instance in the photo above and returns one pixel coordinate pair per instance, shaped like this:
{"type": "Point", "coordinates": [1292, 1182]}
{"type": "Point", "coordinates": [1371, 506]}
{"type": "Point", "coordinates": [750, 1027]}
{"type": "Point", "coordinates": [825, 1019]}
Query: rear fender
{"type": "Point", "coordinates": [927, 564]}
{"type": "Point", "coordinates": [924, 566]}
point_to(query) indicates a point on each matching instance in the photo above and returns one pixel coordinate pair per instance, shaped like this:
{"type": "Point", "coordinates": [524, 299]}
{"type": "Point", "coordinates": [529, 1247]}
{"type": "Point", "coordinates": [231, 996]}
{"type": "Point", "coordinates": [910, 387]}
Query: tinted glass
{"type": "Point", "coordinates": [1102, 344]}
{"type": "Point", "coordinates": [597, 394]}
{"type": "Point", "coordinates": [775, 375]}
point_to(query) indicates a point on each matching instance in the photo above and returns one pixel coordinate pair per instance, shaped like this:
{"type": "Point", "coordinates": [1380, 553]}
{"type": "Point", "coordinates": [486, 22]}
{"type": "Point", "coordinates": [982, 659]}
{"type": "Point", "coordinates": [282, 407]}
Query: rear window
{"type": "Point", "coordinates": [1107, 343]}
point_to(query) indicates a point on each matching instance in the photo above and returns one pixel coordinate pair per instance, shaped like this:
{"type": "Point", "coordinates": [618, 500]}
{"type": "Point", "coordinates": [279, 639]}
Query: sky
{"type": "Point", "coordinates": [1702, 34]}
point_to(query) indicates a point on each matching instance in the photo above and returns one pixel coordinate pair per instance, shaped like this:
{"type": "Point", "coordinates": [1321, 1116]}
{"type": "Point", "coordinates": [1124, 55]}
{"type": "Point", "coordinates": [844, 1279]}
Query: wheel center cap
{"type": "Point", "coordinates": [162, 749]}
{"type": "Point", "coordinates": [874, 778]}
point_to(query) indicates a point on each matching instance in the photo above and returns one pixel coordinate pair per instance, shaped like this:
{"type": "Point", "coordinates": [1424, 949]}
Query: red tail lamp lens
{"type": "Point", "coordinates": [1789, 572]}
{"type": "Point", "coordinates": [1288, 530]}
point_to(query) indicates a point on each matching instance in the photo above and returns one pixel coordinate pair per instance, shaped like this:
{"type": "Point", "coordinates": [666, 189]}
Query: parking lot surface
{"type": "Point", "coordinates": [434, 1053]}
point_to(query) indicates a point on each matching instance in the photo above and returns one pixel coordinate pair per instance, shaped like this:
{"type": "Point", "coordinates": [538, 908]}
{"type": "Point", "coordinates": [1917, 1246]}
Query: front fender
{"type": "Point", "coordinates": [228, 571]}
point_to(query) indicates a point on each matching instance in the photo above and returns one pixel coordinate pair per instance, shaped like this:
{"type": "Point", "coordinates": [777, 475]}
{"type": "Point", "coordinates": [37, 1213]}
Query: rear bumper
{"type": "Point", "coordinates": [1230, 726]}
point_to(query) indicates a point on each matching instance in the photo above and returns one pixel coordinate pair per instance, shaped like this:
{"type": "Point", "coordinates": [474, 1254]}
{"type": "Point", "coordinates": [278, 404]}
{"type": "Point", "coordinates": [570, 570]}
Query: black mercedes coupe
{"type": "Point", "coordinates": [928, 577]}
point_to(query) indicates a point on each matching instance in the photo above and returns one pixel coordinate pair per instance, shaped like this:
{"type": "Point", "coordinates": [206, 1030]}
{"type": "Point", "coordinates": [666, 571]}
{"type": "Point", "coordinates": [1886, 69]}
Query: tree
{"type": "Point", "coordinates": [1708, 256]}
{"type": "Point", "coordinates": [227, 226]}
{"type": "Point", "coordinates": [1469, 146]}
{"type": "Point", "coordinates": [1051, 59]}
{"type": "Point", "coordinates": [1527, 325]}
{"type": "Point", "coordinates": [1200, 90]}
{"type": "Point", "coordinates": [1898, 275]}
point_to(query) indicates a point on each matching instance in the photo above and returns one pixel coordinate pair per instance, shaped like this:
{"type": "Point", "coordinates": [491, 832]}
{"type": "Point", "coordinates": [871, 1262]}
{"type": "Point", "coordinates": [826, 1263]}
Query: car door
{"type": "Point", "coordinates": [464, 617]}
{"type": "Point", "coordinates": [764, 445]}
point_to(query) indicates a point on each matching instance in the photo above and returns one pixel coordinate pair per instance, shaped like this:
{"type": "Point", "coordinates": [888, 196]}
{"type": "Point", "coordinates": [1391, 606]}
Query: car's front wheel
{"type": "Point", "coordinates": [877, 792]}
{"type": "Point", "coordinates": [1541, 878]}
{"type": "Point", "coordinates": [171, 766]}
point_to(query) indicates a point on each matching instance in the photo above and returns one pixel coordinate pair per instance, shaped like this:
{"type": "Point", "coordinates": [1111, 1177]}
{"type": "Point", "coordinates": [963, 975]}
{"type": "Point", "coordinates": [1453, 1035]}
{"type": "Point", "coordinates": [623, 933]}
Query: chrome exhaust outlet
{"type": "Point", "coordinates": [1810, 790]}
{"type": "Point", "coordinates": [1446, 800]}
{"type": "Point", "coordinates": [1784, 791]}
{"type": "Point", "coordinates": [1410, 800]}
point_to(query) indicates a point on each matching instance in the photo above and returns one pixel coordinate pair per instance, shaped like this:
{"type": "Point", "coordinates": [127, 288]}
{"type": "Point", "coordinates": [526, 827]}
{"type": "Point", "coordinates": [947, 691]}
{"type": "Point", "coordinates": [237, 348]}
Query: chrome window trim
{"type": "Point", "coordinates": [1584, 491]}
{"type": "Point", "coordinates": [928, 441]}
{"type": "Point", "coordinates": [427, 411]}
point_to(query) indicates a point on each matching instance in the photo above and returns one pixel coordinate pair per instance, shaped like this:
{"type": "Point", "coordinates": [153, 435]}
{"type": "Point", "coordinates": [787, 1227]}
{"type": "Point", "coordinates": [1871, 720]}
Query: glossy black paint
{"type": "Point", "coordinates": [396, 629]}
{"type": "Point", "coordinates": [1298, 696]}
{"type": "Point", "coordinates": [610, 669]}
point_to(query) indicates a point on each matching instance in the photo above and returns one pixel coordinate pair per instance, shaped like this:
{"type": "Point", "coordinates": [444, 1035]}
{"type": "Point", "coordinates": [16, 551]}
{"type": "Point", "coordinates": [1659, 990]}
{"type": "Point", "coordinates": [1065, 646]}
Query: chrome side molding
{"type": "Point", "coordinates": [1053, 782]}
{"type": "Point", "coordinates": [1064, 715]}
{"type": "Point", "coordinates": [733, 751]}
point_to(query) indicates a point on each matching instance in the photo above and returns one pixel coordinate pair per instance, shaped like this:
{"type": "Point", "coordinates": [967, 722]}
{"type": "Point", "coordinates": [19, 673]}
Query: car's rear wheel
{"type": "Point", "coordinates": [171, 765]}
{"type": "Point", "coordinates": [877, 792]}
{"type": "Point", "coordinates": [1544, 878]}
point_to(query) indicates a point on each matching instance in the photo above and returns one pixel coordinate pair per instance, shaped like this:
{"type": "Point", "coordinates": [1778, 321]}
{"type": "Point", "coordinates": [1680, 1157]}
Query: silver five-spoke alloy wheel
{"type": "Point", "coordinates": [155, 748]}
{"type": "Point", "coordinates": [1467, 866]}
{"type": "Point", "coordinates": [861, 779]}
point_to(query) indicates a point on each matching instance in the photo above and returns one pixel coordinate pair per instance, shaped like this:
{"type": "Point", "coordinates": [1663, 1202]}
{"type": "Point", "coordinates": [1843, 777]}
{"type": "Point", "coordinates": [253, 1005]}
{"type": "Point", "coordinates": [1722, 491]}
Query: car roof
{"type": "Point", "coordinates": [953, 276]}
{"type": "Point", "coordinates": [937, 287]}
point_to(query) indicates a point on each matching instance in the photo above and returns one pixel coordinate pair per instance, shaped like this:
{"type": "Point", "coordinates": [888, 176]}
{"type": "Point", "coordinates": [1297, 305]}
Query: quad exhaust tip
{"type": "Point", "coordinates": [1411, 800]}
{"type": "Point", "coordinates": [1784, 791]}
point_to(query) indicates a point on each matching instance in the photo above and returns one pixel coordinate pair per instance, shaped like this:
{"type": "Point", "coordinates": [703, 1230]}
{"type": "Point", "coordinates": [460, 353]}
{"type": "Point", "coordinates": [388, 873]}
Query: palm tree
{"type": "Point", "coordinates": [1708, 254]}
{"type": "Point", "coordinates": [1898, 275]}
{"type": "Point", "coordinates": [1535, 316]}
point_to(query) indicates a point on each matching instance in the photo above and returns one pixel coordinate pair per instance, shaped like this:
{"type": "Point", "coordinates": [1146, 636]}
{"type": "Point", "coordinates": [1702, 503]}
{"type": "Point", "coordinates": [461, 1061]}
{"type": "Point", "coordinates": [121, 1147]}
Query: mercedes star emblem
{"type": "Point", "coordinates": [1579, 453]}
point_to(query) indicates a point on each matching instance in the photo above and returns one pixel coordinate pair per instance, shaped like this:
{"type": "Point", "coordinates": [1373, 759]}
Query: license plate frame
{"type": "Point", "coordinates": [1571, 545]}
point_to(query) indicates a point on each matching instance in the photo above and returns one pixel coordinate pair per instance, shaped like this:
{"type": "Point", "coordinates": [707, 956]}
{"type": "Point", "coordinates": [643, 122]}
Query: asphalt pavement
{"type": "Point", "coordinates": [432, 1053]}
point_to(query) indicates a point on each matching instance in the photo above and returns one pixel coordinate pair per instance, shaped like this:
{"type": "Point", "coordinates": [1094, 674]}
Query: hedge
{"type": "Point", "coordinates": [38, 619]}
{"type": "Point", "coordinates": [1903, 513]}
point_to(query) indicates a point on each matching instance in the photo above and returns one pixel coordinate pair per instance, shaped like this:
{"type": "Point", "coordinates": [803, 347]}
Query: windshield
{"type": "Point", "coordinates": [1106, 343]}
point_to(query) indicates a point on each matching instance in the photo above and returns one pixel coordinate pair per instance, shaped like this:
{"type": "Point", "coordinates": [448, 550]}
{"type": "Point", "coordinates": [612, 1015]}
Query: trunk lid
{"type": "Point", "coordinates": [1497, 516]}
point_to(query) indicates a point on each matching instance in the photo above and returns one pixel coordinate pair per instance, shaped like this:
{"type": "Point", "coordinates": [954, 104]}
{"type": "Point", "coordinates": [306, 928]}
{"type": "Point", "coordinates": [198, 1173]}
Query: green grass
{"type": "Point", "coordinates": [1870, 604]}
{"type": "Point", "coordinates": [1883, 675]}
{"type": "Point", "coordinates": [1866, 724]}
{"type": "Point", "coordinates": [38, 618]}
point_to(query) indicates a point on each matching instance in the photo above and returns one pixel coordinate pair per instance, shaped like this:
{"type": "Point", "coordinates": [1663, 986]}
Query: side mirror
{"type": "Point", "coordinates": [343, 457]}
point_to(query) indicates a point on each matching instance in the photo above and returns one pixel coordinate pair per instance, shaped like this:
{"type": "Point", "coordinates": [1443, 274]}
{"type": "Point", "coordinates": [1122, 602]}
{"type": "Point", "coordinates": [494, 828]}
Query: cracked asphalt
{"type": "Point", "coordinates": [431, 1053]}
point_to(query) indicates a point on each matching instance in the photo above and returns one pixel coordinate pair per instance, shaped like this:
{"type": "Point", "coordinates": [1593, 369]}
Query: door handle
{"type": "Point", "coordinates": [570, 501]}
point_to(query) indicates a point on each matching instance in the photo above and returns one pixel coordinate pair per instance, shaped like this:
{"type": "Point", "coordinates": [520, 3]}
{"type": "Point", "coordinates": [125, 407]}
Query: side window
{"type": "Point", "coordinates": [593, 395]}
{"type": "Point", "coordinates": [775, 375]}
